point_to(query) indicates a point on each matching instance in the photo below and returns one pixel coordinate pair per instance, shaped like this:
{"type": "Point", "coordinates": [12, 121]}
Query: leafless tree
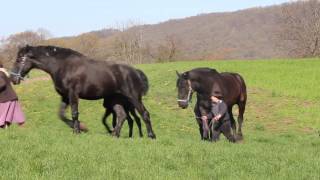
{"type": "Point", "coordinates": [10, 45]}
{"type": "Point", "coordinates": [168, 50]}
{"type": "Point", "coordinates": [128, 44]}
{"type": "Point", "coordinates": [300, 28]}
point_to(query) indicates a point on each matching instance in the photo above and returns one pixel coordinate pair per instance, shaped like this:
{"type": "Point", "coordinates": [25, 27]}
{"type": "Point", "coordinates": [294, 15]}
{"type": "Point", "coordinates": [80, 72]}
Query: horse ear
{"type": "Point", "coordinates": [178, 74]}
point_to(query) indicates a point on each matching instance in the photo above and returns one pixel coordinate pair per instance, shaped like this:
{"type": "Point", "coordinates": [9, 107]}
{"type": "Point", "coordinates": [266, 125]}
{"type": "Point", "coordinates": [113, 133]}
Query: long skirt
{"type": "Point", "coordinates": [11, 112]}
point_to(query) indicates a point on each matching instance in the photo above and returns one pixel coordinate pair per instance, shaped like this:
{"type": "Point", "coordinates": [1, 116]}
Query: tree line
{"type": "Point", "coordinates": [298, 35]}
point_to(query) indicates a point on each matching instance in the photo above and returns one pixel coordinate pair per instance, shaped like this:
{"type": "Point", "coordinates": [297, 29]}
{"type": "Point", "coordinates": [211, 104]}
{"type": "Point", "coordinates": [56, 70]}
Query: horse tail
{"type": "Point", "coordinates": [145, 82]}
{"type": "Point", "coordinates": [243, 88]}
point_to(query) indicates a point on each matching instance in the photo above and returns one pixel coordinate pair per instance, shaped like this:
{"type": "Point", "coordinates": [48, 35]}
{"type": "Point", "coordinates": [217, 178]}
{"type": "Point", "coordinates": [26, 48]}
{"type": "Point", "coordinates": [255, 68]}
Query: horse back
{"type": "Point", "coordinates": [235, 86]}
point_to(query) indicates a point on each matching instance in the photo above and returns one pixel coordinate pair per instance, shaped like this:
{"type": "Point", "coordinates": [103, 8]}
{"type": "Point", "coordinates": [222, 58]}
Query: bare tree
{"type": "Point", "coordinates": [10, 45]}
{"type": "Point", "coordinates": [87, 44]}
{"type": "Point", "coordinates": [168, 50]}
{"type": "Point", "coordinates": [128, 43]}
{"type": "Point", "coordinates": [300, 28]}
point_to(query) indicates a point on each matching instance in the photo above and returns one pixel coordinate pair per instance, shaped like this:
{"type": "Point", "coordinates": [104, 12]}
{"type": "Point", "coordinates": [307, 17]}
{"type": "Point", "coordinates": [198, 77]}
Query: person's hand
{"type": "Point", "coordinates": [204, 118]}
{"type": "Point", "coordinates": [217, 117]}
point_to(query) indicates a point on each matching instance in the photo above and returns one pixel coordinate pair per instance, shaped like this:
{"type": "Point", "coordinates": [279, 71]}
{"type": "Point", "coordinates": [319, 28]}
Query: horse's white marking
{"type": "Point", "coordinates": [55, 49]}
{"type": "Point", "coordinates": [47, 54]}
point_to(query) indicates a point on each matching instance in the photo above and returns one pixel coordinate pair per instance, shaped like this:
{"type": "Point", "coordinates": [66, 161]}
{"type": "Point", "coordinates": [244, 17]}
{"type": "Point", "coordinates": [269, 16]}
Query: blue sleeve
{"type": "Point", "coordinates": [222, 108]}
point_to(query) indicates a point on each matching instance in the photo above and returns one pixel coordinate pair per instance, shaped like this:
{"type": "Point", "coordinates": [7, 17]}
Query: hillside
{"type": "Point", "coordinates": [244, 34]}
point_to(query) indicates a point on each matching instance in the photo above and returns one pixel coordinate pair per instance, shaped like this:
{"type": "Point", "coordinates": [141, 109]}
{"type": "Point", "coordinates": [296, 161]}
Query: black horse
{"type": "Point", "coordinates": [119, 105]}
{"type": "Point", "coordinates": [206, 82]}
{"type": "Point", "coordinates": [76, 76]}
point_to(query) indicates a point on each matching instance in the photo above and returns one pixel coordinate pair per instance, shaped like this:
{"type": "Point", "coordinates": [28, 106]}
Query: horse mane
{"type": "Point", "coordinates": [204, 71]}
{"type": "Point", "coordinates": [58, 52]}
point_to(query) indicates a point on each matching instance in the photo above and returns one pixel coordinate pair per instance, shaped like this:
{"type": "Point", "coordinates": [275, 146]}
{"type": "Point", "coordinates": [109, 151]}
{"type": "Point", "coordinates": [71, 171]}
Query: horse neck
{"type": "Point", "coordinates": [200, 88]}
{"type": "Point", "coordinates": [50, 66]}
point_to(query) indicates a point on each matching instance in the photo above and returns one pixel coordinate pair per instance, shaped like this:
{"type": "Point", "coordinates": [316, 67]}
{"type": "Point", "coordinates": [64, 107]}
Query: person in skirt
{"type": "Point", "coordinates": [10, 109]}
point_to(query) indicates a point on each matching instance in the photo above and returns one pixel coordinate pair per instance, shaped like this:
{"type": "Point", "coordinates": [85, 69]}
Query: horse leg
{"type": "Point", "coordinates": [104, 120]}
{"type": "Point", "coordinates": [74, 101]}
{"type": "Point", "coordinates": [121, 116]}
{"type": "Point", "coordinates": [130, 123]}
{"type": "Point", "coordinates": [62, 110]}
{"type": "Point", "coordinates": [205, 128]}
{"type": "Point", "coordinates": [200, 128]}
{"type": "Point", "coordinates": [232, 120]}
{"type": "Point", "coordinates": [242, 107]}
{"type": "Point", "coordinates": [145, 116]}
{"type": "Point", "coordinates": [114, 119]}
{"type": "Point", "coordinates": [198, 119]}
{"type": "Point", "coordinates": [138, 121]}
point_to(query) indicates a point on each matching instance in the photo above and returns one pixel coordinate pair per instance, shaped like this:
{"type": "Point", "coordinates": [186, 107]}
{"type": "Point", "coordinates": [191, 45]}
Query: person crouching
{"type": "Point", "coordinates": [220, 120]}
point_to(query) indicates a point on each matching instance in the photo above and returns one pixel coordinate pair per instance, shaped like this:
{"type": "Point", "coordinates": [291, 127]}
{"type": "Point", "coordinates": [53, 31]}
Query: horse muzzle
{"type": "Point", "coordinates": [15, 79]}
{"type": "Point", "coordinates": [183, 104]}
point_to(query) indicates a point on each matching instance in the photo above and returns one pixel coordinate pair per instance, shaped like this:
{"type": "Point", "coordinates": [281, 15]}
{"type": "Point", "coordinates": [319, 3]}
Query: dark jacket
{"type": "Point", "coordinates": [6, 91]}
{"type": "Point", "coordinates": [219, 108]}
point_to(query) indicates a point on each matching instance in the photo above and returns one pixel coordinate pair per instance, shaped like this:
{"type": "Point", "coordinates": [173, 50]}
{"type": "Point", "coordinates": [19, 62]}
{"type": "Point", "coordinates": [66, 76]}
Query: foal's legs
{"type": "Point", "coordinates": [121, 116]}
{"type": "Point", "coordinates": [104, 120]}
{"type": "Point", "coordinates": [138, 121]}
{"type": "Point", "coordinates": [145, 116]}
{"type": "Point", "coordinates": [130, 123]}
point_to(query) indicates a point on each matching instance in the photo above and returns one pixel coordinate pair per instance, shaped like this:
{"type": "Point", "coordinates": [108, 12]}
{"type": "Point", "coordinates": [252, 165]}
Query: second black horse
{"type": "Point", "coordinates": [206, 82]}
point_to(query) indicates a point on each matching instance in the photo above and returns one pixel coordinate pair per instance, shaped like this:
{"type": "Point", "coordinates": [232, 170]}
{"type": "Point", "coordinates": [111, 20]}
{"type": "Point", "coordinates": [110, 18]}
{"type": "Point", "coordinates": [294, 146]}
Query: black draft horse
{"type": "Point", "coordinates": [205, 82]}
{"type": "Point", "coordinates": [76, 76]}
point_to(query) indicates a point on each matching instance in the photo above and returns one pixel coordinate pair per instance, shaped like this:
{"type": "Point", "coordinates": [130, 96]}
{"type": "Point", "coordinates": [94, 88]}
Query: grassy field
{"type": "Point", "coordinates": [281, 130]}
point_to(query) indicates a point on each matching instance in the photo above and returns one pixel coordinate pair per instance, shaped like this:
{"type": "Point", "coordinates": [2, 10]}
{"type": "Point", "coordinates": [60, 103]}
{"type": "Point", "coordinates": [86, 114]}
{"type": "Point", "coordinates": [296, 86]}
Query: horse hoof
{"type": "Point", "coordinates": [83, 127]}
{"type": "Point", "coordinates": [152, 136]}
{"type": "Point", "coordinates": [238, 137]}
{"type": "Point", "coordinates": [114, 134]}
{"type": "Point", "coordinates": [76, 131]}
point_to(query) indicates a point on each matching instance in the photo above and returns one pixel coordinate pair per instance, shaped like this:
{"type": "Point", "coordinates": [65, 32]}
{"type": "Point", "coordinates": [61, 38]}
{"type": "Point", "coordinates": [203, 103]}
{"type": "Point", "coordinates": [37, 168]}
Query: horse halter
{"type": "Point", "coordinates": [189, 94]}
{"type": "Point", "coordinates": [18, 75]}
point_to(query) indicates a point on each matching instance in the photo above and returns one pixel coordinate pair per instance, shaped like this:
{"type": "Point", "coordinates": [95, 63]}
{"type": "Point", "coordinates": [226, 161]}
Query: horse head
{"type": "Point", "coordinates": [23, 64]}
{"type": "Point", "coordinates": [185, 90]}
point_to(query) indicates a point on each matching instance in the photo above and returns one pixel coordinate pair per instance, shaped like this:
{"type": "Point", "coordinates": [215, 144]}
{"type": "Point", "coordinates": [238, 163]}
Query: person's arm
{"type": "Point", "coordinates": [222, 108]}
{"type": "Point", "coordinates": [3, 82]}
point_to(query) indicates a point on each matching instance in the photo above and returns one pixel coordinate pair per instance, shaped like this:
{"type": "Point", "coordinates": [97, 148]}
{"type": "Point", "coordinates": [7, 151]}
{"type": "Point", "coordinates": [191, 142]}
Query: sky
{"type": "Point", "coordinates": [73, 17]}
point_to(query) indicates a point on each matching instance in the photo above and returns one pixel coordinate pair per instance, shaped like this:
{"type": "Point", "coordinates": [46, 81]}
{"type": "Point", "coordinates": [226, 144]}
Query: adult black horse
{"type": "Point", "coordinates": [76, 76]}
{"type": "Point", "coordinates": [206, 82]}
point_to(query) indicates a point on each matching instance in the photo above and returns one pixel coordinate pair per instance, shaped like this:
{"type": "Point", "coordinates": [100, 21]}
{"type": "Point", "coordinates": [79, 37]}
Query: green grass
{"type": "Point", "coordinates": [281, 130]}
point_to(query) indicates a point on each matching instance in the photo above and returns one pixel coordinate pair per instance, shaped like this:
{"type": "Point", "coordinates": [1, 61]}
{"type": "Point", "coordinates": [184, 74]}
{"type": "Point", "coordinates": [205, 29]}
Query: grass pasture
{"type": "Point", "coordinates": [281, 129]}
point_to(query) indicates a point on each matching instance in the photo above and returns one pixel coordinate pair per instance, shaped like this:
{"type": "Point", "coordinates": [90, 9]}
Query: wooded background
{"type": "Point", "coordinates": [287, 30]}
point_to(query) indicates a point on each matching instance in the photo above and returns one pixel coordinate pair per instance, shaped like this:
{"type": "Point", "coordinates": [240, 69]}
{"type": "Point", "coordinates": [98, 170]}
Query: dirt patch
{"type": "Point", "coordinates": [45, 78]}
{"type": "Point", "coordinates": [307, 129]}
